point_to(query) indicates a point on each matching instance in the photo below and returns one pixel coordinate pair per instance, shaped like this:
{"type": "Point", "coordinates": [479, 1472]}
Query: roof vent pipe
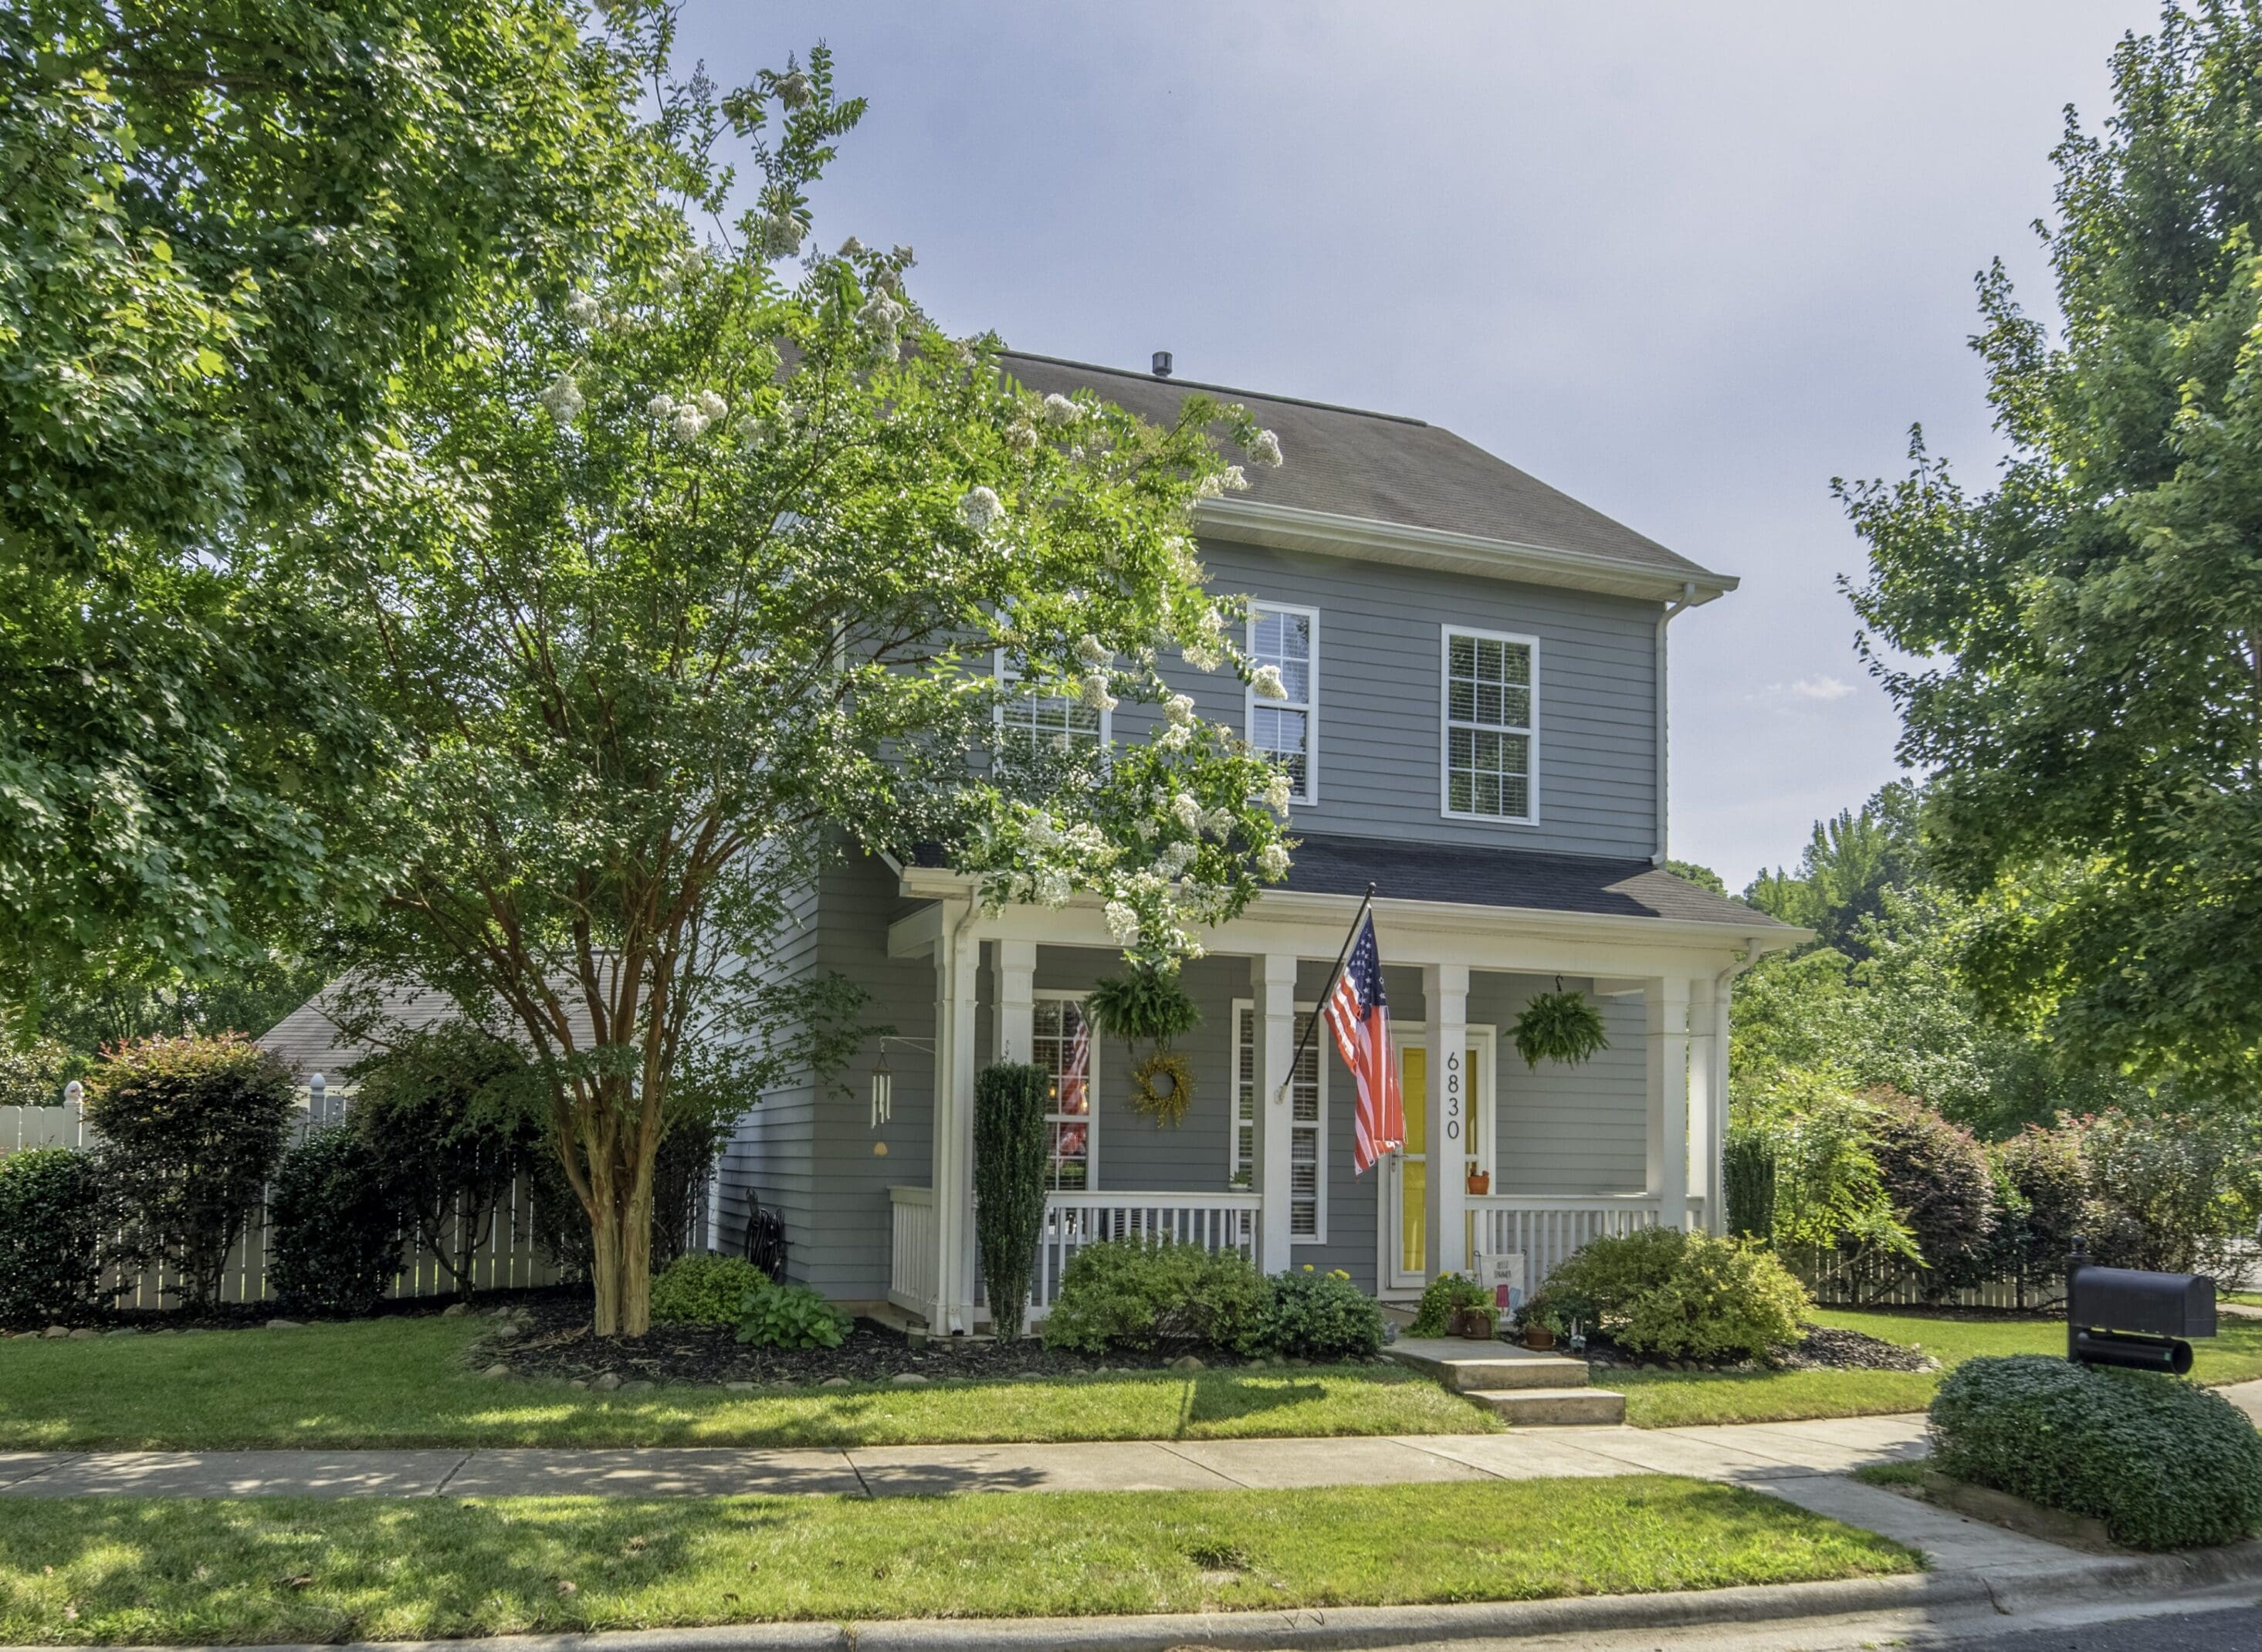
{"type": "Point", "coordinates": [1161, 364]}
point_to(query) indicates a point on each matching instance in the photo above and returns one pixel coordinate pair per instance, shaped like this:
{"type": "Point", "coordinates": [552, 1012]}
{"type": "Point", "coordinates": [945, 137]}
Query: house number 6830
{"type": "Point", "coordinates": [1453, 1097]}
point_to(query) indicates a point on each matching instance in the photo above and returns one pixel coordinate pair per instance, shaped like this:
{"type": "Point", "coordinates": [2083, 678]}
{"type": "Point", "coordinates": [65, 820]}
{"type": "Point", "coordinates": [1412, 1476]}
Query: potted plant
{"type": "Point", "coordinates": [1478, 1322]}
{"type": "Point", "coordinates": [1538, 1335]}
{"type": "Point", "coordinates": [1146, 1005]}
{"type": "Point", "coordinates": [1560, 1027]}
{"type": "Point", "coordinates": [1480, 1182]}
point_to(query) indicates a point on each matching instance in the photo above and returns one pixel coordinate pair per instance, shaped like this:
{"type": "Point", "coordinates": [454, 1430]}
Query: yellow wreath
{"type": "Point", "coordinates": [1163, 1105]}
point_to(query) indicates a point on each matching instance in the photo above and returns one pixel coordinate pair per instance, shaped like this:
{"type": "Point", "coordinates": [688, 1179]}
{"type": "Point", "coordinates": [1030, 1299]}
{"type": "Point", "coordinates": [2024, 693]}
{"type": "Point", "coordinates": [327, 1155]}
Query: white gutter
{"type": "Point", "coordinates": [1688, 599]}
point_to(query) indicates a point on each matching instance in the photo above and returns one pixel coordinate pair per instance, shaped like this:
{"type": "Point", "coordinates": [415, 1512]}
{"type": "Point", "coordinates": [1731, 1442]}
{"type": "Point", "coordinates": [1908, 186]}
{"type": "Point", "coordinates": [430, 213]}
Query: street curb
{"type": "Point", "coordinates": [2005, 1593]}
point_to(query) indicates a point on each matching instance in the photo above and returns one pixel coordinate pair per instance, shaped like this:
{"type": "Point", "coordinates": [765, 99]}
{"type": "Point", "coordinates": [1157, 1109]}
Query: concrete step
{"type": "Point", "coordinates": [1467, 1368]}
{"type": "Point", "coordinates": [1561, 1407]}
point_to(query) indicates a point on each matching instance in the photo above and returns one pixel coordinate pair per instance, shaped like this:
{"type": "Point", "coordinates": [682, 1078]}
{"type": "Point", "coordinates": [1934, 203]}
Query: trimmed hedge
{"type": "Point", "coordinates": [1675, 1294]}
{"type": "Point", "coordinates": [1145, 1294]}
{"type": "Point", "coordinates": [1317, 1315]}
{"type": "Point", "coordinates": [704, 1290]}
{"type": "Point", "coordinates": [2165, 1464]}
{"type": "Point", "coordinates": [337, 1224]}
{"type": "Point", "coordinates": [51, 1221]}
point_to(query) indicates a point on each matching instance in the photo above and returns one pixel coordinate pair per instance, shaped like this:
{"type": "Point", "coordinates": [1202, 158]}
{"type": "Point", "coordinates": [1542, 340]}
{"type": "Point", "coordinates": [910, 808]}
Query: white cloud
{"type": "Point", "coordinates": [1821, 688]}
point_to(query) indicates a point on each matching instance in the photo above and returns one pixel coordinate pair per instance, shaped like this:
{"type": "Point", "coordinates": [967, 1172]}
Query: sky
{"type": "Point", "coordinates": [1687, 263]}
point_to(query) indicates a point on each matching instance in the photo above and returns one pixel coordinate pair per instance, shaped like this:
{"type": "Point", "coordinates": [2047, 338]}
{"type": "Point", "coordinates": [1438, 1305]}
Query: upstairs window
{"type": "Point", "coordinates": [1491, 719]}
{"type": "Point", "coordinates": [1030, 721]}
{"type": "Point", "coordinates": [1287, 640]}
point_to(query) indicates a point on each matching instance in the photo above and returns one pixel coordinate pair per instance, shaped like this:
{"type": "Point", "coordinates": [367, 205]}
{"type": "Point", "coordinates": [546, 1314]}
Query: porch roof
{"type": "Point", "coordinates": [1473, 876]}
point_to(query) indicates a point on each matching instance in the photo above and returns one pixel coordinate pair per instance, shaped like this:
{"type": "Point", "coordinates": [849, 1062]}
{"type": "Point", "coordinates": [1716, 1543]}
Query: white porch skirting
{"type": "Point", "coordinates": [1546, 1229]}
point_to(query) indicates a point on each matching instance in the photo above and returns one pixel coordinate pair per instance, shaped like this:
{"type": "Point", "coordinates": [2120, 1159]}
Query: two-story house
{"type": "Point", "coordinates": [1476, 722]}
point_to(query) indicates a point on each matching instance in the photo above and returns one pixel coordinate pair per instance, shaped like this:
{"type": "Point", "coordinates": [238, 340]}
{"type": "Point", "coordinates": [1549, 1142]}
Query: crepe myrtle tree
{"type": "Point", "coordinates": [691, 575]}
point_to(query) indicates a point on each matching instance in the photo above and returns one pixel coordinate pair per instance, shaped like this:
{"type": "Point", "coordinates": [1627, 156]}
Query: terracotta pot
{"type": "Point", "coordinates": [1480, 1182]}
{"type": "Point", "coordinates": [1472, 1323]}
{"type": "Point", "coordinates": [1538, 1339]}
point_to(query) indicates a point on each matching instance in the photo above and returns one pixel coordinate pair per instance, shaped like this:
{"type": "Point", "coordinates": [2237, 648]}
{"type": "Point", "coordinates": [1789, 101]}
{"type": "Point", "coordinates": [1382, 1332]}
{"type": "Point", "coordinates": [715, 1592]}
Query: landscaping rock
{"type": "Point", "coordinates": [84, 1333]}
{"type": "Point", "coordinates": [638, 1385]}
{"type": "Point", "coordinates": [742, 1388]}
{"type": "Point", "coordinates": [906, 1378]}
{"type": "Point", "coordinates": [834, 1382]}
{"type": "Point", "coordinates": [56, 1330]}
{"type": "Point", "coordinates": [509, 1330]}
{"type": "Point", "coordinates": [454, 1311]}
{"type": "Point", "coordinates": [1187, 1362]}
{"type": "Point", "coordinates": [606, 1380]}
{"type": "Point", "coordinates": [285, 1325]}
{"type": "Point", "coordinates": [496, 1371]}
{"type": "Point", "coordinates": [577, 1383]}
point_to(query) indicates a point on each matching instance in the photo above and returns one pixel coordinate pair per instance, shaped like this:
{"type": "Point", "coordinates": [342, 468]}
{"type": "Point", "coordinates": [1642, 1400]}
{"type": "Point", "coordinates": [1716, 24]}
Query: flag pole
{"type": "Point", "coordinates": [1326, 991]}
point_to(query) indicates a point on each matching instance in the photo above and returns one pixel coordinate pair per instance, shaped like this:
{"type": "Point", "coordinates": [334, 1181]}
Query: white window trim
{"type": "Point", "coordinates": [1007, 677]}
{"type": "Point", "coordinates": [1310, 707]}
{"type": "Point", "coordinates": [1091, 1092]}
{"type": "Point", "coordinates": [1322, 1045]}
{"type": "Point", "coordinates": [1446, 633]}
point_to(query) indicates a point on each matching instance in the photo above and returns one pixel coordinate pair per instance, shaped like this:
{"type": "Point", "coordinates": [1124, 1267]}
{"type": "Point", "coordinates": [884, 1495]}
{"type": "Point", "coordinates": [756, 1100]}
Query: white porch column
{"type": "Point", "coordinates": [1445, 993]}
{"type": "Point", "coordinates": [1705, 1102]}
{"type": "Point", "coordinates": [1017, 1000]}
{"type": "Point", "coordinates": [956, 955]}
{"type": "Point", "coordinates": [1275, 985]}
{"type": "Point", "coordinates": [1666, 1001]}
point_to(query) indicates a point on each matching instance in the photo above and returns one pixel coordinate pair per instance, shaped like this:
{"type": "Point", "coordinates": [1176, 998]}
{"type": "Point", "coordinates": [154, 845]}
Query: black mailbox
{"type": "Point", "coordinates": [2119, 1316]}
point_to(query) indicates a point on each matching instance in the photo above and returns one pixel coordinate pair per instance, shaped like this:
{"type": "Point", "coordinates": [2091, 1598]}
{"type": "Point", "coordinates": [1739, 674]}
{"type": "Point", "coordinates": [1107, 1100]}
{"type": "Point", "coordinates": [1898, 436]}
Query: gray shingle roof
{"type": "Point", "coordinates": [1326, 864]}
{"type": "Point", "coordinates": [1377, 467]}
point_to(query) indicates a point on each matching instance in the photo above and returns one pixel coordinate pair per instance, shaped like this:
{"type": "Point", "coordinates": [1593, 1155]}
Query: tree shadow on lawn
{"type": "Point", "coordinates": [1221, 1397]}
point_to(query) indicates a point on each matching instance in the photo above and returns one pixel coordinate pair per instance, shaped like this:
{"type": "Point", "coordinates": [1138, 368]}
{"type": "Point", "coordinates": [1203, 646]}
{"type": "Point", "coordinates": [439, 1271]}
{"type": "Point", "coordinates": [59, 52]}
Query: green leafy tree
{"type": "Point", "coordinates": [2087, 632]}
{"type": "Point", "coordinates": [1846, 868]}
{"type": "Point", "coordinates": [690, 577]}
{"type": "Point", "coordinates": [225, 228]}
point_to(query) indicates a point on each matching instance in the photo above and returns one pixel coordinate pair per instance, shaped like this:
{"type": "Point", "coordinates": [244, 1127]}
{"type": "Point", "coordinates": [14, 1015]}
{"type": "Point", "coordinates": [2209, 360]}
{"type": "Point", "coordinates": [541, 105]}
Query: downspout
{"type": "Point", "coordinates": [1688, 599]}
{"type": "Point", "coordinates": [1716, 1193]}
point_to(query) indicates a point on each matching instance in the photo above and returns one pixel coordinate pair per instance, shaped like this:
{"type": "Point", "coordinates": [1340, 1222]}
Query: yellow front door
{"type": "Point", "coordinates": [1414, 1163]}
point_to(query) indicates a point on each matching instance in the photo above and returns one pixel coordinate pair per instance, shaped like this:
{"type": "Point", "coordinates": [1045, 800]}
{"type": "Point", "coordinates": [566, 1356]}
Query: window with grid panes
{"type": "Point", "coordinates": [1306, 1125]}
{"type": "Point", "coordinates": [1489, 696]}
{"type": "Point", "coordinates": [1286, 637]}
{"type": "Point", "coordinates": [1031, 721]}
{"type": "Point", "coordinates": [1063, 1046]}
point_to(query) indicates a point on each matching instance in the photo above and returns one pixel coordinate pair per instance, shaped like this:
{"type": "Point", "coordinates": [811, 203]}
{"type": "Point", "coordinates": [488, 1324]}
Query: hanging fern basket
{"type": "Point", "coordinates": [1559, 1027]}
{"type": "Point", "coordinates": [1148, 1005]}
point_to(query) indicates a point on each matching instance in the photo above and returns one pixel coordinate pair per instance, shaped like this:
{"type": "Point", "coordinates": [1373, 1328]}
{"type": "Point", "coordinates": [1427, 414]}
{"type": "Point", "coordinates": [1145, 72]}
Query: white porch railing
{"type": "Point", "coordinates": [1214, 1220]}
{"type": "Point", "coordinates": [1547, 1228]}
{"type": "Point", "coordinates": [912, 1250]}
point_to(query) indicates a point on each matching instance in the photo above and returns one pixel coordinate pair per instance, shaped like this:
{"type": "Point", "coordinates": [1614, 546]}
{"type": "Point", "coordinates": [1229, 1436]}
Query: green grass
{"type": "Point", "coordinates": [1670, 1399]}
{"type": "Point", "coordinates": [1894, 1477]}
{"type": "Point", "coordinates": [165, 1570]}
{"type": "Point", "coordinates": [402, 1382]}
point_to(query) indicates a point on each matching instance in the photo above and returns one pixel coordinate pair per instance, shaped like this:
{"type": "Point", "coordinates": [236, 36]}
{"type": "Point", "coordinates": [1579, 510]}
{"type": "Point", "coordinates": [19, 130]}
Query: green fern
{"type": "Point", "coordinates": [1558, 1027]}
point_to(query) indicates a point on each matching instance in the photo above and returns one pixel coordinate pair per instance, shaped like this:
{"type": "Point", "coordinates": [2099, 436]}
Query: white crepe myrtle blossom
{"type": "Point", "coordinates": [1202, 657]}
{"type": "Point", "coordinates": [1175, 857]}
{"type": "Point", "coordinates": [1187, 810]}
{"type": "Point", "coordinates": [1219, 823]}
{"type": "Point", "coordinates": [1272, 861]}
{"type": "Point", "coordinates": [583, 311]}
{"type": "Point", "coordinates": [1266, 682]}
{"type": "Point", "coordinates": [688, 422]}
{"type": "Point", "coordinates": [1094, 692]}
{"type": "Point", "coordinates": [1179, 711]}
{"type": "Point", "coordinates": [1052, 887]}
{"type": "Point", "coordinates": [1094, 653]}
{"type": "Point", "coordinates": [781, 233]}
{"type": "Point", "coordinates": [851, 248]}
{"type": "Point", "coordinates": [1173, 737]}
{"type": "Point", "coordinates": [563, 399]}
{"type": "Point", "coordinates": [1277, 793]}
{"type": "Point", "coordinates": [660, 405]}
{"type": "Point", "coordinates": [981, 509]}
{"type": "Point", "coordinates": [1060, 410]}
{"type": "Point", "coordinates": [1122, 923]}
{"type": "Point", "coordinates": [1265, 450]}
{"type": "Point", "coordinates": [794, 90]}
{"type": "Point", "coordinates": [1236, 480]}
{"type": "Point", "coordinates": [711, 405]}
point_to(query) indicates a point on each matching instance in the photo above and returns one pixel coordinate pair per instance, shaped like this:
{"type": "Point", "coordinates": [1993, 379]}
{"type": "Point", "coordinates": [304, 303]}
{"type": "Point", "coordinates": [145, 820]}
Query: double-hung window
{"type": "Point", "coordinates": [1491, 726]}
{"type": "Point", "coordinates": [1030, 721]}
{"type": "Point", "coordinates": [1288, 640]}
{"type": "Point", "coordinates": [1308, 1122]}
{"type": "Point", "coordinates": [1064, 1047]}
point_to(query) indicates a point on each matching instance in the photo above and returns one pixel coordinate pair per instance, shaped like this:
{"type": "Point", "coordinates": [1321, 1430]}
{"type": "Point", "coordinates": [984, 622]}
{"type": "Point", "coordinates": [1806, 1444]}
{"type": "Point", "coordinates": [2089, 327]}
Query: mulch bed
{"type": "Point", "coordinates": [554, 1339]}
{"type": "Point", "coordinates": [1820, 1349]}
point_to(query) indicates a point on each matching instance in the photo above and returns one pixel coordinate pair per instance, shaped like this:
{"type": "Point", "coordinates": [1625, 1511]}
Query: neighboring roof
{"type": "Point", "coordinates": [1473, 876]}
{"type": "Point", "coordinates": [1348, 463]}
{"type": "Point", "coordinates": [309, 1041]}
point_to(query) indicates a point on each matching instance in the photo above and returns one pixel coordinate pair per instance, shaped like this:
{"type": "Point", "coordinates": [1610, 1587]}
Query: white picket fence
{"type": "Point", "coordinates": [506, 1257]}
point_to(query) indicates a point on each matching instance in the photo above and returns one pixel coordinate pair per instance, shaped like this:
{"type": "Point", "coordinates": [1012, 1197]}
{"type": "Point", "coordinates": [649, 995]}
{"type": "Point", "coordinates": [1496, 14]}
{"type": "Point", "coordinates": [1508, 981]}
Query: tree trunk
{"type": "Point", "coordinates": [604, 1249]}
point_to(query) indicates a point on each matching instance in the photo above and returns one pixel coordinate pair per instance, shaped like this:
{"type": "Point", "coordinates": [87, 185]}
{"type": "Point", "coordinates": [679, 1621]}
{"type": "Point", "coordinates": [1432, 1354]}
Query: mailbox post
{"type": "Point", "coordinates": [2122, 1316]}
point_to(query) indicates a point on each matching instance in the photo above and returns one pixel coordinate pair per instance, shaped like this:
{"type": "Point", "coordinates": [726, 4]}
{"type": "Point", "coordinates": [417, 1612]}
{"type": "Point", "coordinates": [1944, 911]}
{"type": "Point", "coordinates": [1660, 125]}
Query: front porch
{"type": "Point", "coordinates": [1261, 1164]}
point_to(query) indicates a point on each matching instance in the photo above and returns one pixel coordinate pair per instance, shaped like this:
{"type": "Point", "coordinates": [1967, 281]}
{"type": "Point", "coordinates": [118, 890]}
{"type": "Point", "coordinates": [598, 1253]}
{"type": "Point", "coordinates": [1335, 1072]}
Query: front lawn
{"type": "Point", "coordinates": [168, 1571]}
{"type": "Point", "coordinates": [1670, 1399]}
{"type": "Point", "coordinates": [401, 1382]}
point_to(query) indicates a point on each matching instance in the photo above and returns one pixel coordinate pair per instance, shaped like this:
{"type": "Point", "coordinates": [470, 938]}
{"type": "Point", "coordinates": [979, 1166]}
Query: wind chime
{"type": "Point", "coordinates": [883, 1089]}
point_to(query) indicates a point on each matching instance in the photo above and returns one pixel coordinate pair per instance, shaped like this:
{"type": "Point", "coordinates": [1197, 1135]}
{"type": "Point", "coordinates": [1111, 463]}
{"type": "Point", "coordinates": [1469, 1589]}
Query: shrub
{"type": "Point", "coordinates": [2178, 1193]}
{"type": "Point", "coordinates": [449, 1110]}
{"type": "Point", "coordinates": [192, 1128]}
{"type": "Point", "coordinates": [704, 1290]}
{"type": "Point", "coordinates": [1747, 1179]}
{"type": "Point", "coordinates": [791, 1317]}
{"type": "Point", "coordinates": [1936, 1174]}
{"type": "Point", "coordinates": [1722, 1300]}
{"type": "Point", "coordinates": [1009, 1185]}
{"type": "Point", "coordinates": [334, 1224]}
{"type": "Point", "coordinates": [1678, 1295]}
{"type": "Point", "coordinates": [2040, 1185]}
{"type": "Point", "coordinates": [1317, 1316]}
{"type": "Point", "coordinates": [51, 1223]}
{"type": "Point", "coordinates": [1433, 1315]}
{"type": "Point", "coordinates": [2163, 1463]}
{"type": "Point", "coordinates": [1142, 1294]}
{"type": "Point", "coordinates": [32, 1075]}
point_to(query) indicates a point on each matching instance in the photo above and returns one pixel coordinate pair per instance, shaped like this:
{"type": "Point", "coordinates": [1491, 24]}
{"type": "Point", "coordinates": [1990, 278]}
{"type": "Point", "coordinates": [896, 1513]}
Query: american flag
{"type": "Point", "coordinates": [1359, 1016]}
